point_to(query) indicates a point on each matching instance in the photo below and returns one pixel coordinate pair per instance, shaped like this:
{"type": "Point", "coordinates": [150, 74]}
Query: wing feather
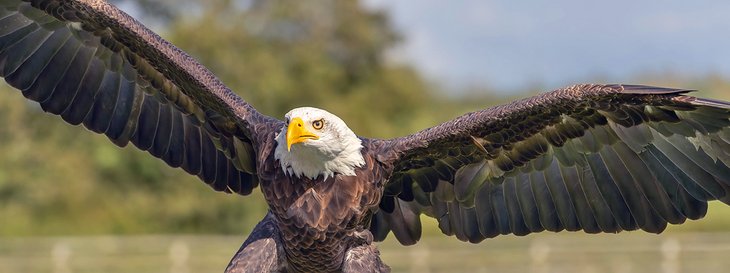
{"type": "Point", "coordinates": [500, 210]}
{"type": "Point", "coordinates": [637, 204]}
{"type": "Point", "coordinates": [528, 206]}
{"type": "Point", "coordinates": [61, 96]}
{"type": "Point", "coordinates": [597, 158]}
{"type": "Point", "coordinates": [486, 218]}
{"type": "Point", "coordinates": [563, 201]}
{"type": "Point", "coordinates": [584, 211]}
{"type": "Point", "coordinates": [544, 202]}
{"type": "Point", "coordinates": [92, 64]}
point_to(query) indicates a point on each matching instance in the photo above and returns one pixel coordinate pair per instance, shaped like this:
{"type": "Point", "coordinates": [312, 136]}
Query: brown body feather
{"type": "Point", "coordinates": [319, 220]}
{"type": "Point", "coordinates": [320, 225]}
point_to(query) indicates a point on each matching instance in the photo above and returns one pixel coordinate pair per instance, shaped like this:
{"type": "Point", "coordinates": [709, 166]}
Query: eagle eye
{"type": "Point", "coordinates": [318, 124]}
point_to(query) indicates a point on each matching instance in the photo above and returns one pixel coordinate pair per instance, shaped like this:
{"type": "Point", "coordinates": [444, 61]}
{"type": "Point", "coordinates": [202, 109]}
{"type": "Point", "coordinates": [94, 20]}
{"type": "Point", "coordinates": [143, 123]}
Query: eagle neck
{"type": "Point", "coordinates": [315, 162]}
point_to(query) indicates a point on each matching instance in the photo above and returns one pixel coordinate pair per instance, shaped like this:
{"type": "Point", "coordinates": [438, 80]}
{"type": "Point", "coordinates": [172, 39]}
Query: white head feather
{"type": "Point", "coordinates": [337, 149]}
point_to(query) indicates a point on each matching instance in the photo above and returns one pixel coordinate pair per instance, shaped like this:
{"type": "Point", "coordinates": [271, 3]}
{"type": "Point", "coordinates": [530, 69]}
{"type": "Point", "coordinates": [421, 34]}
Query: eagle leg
{"type": "Point", "coordinates": [262, 251]}
{"type": "Point", "coordinates": [364, 257]}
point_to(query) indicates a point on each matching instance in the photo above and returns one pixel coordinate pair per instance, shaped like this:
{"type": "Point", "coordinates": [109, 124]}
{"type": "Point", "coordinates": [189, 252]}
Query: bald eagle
{"type": "Point", "coordinates": [597, 158]}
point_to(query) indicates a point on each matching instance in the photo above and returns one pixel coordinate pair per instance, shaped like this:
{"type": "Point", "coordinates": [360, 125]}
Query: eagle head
{"type": "Point", "coordinates": [315, 142]}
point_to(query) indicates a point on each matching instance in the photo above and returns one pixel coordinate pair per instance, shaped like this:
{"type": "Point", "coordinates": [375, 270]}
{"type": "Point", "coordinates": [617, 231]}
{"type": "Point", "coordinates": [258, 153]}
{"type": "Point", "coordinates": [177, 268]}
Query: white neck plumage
{"type": "Point", "coordinates": [309, 162]}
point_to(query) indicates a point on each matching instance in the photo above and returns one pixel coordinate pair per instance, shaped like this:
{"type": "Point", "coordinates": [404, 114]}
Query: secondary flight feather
{"type": "Point", "coordinates": [597, 158]}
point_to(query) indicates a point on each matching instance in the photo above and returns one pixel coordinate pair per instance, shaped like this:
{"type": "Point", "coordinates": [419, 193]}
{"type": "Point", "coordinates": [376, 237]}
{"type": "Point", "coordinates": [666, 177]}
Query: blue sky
{"type": "Point", "coordinates": [509, 45]}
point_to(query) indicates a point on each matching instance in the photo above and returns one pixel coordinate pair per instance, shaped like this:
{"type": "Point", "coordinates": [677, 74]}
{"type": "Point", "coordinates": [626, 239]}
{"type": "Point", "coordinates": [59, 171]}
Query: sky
{"type": "Point", "coordinates": [511, 45]}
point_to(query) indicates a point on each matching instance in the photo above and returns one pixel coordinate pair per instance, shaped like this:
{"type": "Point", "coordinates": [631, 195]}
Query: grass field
{"type": "Point", "coordinates": [566, 252]}
{"type": "Point", "coordinates": [680, 249]}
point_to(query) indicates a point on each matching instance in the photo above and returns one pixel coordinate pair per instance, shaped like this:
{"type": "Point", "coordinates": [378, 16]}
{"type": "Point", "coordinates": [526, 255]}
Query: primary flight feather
{"type": "Point", "coordinates": [598, 158]}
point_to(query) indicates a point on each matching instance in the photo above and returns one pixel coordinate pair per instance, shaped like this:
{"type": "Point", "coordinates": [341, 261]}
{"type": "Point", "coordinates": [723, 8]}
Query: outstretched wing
{"type": "Point", "coordinates": [598, 158]}
{"type": "Point", "coordinates": [92, 64]}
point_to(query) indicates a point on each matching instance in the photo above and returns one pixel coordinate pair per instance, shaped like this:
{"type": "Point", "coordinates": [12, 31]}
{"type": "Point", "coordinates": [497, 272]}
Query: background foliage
{"type": "Point", "coordinates": [58, 179]}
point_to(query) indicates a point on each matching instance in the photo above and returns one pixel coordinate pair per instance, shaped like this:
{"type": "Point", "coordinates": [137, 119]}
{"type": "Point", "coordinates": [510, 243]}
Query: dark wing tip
{"type": "Point", "coordinates": [712, 103]}
{"type": "Point", "coordinates": [654, 90]}
{"type": "Point", "coordinates": [646, 89]}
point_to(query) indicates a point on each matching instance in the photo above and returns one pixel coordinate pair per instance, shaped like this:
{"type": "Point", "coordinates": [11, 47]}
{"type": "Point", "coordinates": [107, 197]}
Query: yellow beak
{"type": "Point", "coordinates": [297, 133]}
